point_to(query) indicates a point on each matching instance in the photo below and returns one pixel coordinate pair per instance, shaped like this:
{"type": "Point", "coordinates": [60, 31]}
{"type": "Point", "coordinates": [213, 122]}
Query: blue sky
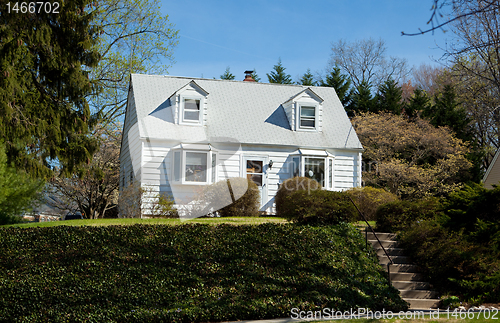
{"type": "Point", "coordinates": [253, 34]}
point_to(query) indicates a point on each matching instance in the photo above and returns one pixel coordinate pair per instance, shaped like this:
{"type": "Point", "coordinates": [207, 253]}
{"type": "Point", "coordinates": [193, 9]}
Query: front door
{"type": "Point", "coordinates": [255, 170]}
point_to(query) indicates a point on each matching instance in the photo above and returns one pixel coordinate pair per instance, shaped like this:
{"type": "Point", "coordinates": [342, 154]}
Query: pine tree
{"type": "Point", "coordinates": [44, 64]}
{"type": "Point", "coordinates": [227, 75]}
{"type": "Point", "coordinates": [362, 100]}
{"type": "Point", "coordinates": [307, 79]}
{"type": "Point", "coordinates": [17, 191]}
{"type": "Point", "coordinates": [389, 97]}
{"type": "Point", "coordinates": [341, 83]}
{"type": "Point", "coordinates": [278, 75]}
{"type": "Point", "coordinates": [417, 103]}
{"type": "Point", "coordinates": [447, 111]}
{"type": "Point", "coordinates": [255, 77]}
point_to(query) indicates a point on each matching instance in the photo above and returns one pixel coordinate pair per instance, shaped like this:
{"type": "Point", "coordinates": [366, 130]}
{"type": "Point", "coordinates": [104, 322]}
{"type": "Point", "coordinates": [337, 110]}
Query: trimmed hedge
{"type": "Point", "coordinates": [290, 186]}
{"type": "Point", "coordinates": [187, 273]}
{"type": "Point", "coordinates": [318, 207]}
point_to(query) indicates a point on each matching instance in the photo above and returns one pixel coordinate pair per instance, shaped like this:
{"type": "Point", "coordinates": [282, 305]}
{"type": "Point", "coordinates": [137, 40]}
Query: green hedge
{"type": "Point", "coordinates": [399, 215]}
{"type": "Point", "coordinates": [187, 273]}
{"type": "Point", "coordinates": [318, 207]}
{"type": "Point", "coordinates": [290, 186]}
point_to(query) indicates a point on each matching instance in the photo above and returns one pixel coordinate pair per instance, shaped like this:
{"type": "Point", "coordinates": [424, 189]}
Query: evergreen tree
{"type": "Point", "coordinates": [307, 79]}
{"type": "Point", "coordinates": [362, 100]}
{"type": "Point", "coordinates": [17, 191]}
{"type": "Point", "coordinates": [255, 77]}
{"type": "Point", "coordinates": [447, 111]}
{"type": "Point", "coordinates": [417, 103]}
{"type": "Point", "coordinates": [44, 63]}
{"type": "Point", "coordinates": [341, 83]}
{"type": "Point", "coordinates": [389, 97]}
{"type": "Point", "coordinates": [227, 75]}
{"type": "Point", "coordinates": [279, 75]}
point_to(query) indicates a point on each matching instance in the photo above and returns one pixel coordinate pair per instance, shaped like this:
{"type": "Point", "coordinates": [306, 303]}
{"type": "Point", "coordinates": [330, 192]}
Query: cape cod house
{"type": "Point", "coordinates": [181, 134]}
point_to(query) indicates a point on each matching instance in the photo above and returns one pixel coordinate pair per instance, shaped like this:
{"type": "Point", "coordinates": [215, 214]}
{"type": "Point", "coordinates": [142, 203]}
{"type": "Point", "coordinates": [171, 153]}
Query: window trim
{"type": "Point", "coordinates": [182, 110]}
{"type": "Point", "coordinates": [299, 116]}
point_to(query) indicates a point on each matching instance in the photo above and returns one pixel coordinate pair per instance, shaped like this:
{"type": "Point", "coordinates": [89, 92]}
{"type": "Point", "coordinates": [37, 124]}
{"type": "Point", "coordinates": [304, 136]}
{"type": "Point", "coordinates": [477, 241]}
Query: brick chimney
{"type": "Point", "coordinates": [248, 76]}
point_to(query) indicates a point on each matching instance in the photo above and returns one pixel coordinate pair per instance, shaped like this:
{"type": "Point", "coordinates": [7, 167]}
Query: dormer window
{"type": "Point", "coordinates": [307, 117]}
{"type": "Point", "coordinates": [189, 105]}
{"type": "Point", "coordinates": [304, 111]}
{"type": "Point", "coordinates": [191, 110]}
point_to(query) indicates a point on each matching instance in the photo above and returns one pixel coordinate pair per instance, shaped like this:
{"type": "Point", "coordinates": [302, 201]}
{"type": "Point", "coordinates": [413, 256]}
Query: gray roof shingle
{"type": "Point", "coordinates": [247, 112]}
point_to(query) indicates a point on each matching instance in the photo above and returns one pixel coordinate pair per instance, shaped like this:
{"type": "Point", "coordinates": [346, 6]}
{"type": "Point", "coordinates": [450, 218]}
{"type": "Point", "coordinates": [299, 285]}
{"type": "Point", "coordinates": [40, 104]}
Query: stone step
{"type": "Point", "coordinates": [407, 285]}
{"type": "Point", "coordinates": [380, 236]}
{"type": "Point", "coordinates": [403, 268]}
{"type": "Point", "coordinates": [422, 304]}
{"type": "Point", "coordinates": [385, 243]}
{"type": "Point", "coordinates": [396, 260]}
{"type": "Point", "coordinates": [390, 251]}
{"type": "Point", "coordinates": [407, 277]}
{"type": "Point", "coordinates": [418, 294]}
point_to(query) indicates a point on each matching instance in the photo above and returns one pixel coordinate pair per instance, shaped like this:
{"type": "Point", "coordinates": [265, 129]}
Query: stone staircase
{"type": "Point", "coordinates": [404, 275]}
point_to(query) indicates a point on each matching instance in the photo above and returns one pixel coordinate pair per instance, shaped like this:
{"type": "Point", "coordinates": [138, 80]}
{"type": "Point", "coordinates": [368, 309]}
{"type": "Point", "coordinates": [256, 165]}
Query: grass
{"type": "Point", "coordinates": [107, 222]}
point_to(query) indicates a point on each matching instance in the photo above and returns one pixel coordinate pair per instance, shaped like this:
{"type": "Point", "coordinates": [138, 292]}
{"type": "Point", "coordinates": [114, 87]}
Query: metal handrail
{"type": "Point", "coordinates": [375, 235]}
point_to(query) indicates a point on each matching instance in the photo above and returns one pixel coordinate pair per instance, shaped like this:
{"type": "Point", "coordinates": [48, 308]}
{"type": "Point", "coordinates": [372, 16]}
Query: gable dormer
{"type": "Point", "coordinates": [305, 111]}
{"type": "Point", "coordinates": [189, 105]}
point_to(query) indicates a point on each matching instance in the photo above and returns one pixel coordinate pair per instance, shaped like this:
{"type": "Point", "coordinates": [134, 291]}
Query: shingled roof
{"type": "Point", "coordinates": [247, 112]}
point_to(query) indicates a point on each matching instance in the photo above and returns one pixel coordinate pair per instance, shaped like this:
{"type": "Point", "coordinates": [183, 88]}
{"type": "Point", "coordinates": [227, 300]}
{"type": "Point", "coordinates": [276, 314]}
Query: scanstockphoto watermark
{"type": "Point", "coordinates": [360, 313]}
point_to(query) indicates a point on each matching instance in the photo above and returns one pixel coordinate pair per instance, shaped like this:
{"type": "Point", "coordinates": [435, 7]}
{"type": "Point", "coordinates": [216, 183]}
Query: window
{"type": "Point", "coordinates": [307, 117]}
{"type": "Point", "coordinates": [318, 168]}
{"type": "Point", "coordinates": [196, 167]}
{"type": "Point", "coordinates": [255, 171]}
{"type": "Point", "coordinates": [315, 168]}
{"type": "Point", "coordinates": [191, 167]}
{"type": "Point", "coordinates": [191, 109]}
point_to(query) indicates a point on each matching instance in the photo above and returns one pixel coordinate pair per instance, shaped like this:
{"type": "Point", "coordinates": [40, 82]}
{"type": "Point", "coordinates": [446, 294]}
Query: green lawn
{"type": "Point", "coordinates": [106, 222]}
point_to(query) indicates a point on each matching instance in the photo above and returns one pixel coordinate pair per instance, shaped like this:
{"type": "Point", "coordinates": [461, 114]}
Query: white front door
{"type": "Point", "coordinates": [255, 169]}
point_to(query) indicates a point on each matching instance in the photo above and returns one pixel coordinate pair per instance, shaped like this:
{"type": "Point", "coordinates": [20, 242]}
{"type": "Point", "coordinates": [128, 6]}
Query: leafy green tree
{"type": "Point", "coordinates": [307, 79]}
{"type": "Point", "coordinates": [135, 38]}
{"type": "Point", "coordinates": [17, 191]}
{"type": "Point", "coordinates": [362, 100]}
{"type": "Point", "coordinates": [45, 60]}
{"type": "Point", "coordinates": [389, 97]}
{"type": "Point", "coordinates": [227, 75]}
{"type": "Point", "coordinates": [279, 75]}
{"type": "Point", "coordinates": [341, 83]}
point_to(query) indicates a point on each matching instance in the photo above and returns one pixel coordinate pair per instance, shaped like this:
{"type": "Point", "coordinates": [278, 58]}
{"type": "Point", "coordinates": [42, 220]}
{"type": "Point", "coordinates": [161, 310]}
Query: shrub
{"type": "Point", "coordinates": [318, 207]}
{"type": "Point", "coordinates": [292, 185]}
{"type": "Point", "coordinates": [398, 215]}
{"type": "Point", "coordinates": [130, 201]}
{"type": "Point", "coordinates": [186, 273]}
{"type": "Point", "coordinates": [244, 193]}
{"type": "Point", "coordinates": [369, 199]}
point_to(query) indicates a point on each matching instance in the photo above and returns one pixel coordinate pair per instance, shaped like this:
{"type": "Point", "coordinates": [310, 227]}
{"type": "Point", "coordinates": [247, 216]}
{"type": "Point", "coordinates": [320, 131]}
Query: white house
{"type": "Point", "coordinates": [181, 134]}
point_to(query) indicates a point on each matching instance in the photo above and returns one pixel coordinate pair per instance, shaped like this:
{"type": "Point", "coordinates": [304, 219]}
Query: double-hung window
{"type": "Point", "coordinates": [191, 110]}
{"type": "Point", "coordinates": [307, 117]}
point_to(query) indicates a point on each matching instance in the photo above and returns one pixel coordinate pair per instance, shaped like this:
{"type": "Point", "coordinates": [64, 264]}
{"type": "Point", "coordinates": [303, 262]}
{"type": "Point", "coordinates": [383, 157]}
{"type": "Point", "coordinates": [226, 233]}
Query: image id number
{"type": "Point", "coordinates": [33, 7]}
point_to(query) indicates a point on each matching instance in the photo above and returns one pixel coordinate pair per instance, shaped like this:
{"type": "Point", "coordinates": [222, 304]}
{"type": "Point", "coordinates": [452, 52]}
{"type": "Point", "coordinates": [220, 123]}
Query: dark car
{"type": "Point", "coordinates": [73, 216]}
